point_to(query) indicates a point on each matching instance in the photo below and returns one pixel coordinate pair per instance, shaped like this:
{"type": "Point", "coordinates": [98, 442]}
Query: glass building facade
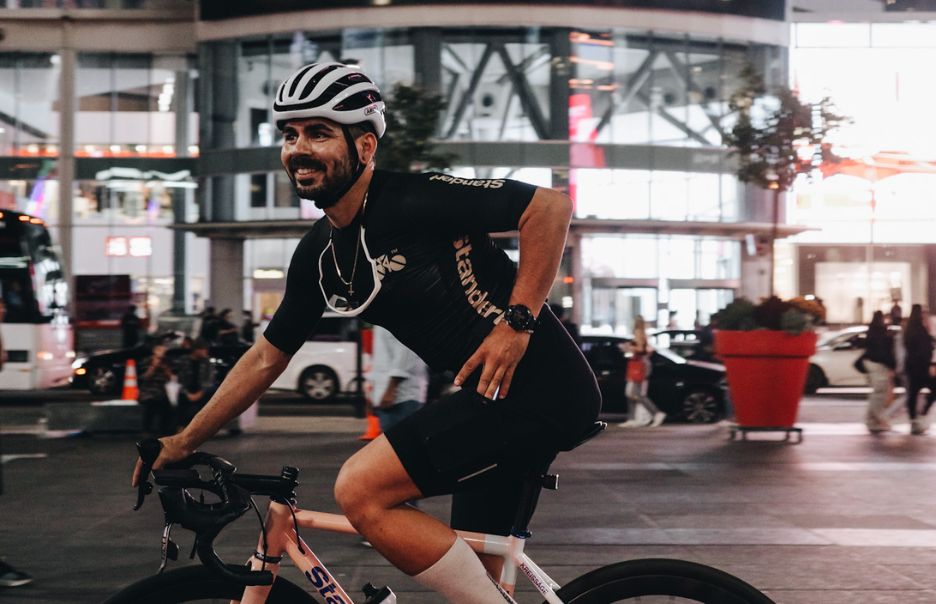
{"type": "Point", "coordinates": [628, 122]}
{"type": "Point", "coordinates": [171, 161]}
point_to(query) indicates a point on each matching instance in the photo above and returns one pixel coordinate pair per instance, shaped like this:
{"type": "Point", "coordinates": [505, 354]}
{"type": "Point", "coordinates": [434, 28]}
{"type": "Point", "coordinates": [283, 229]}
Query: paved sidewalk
{"type": "Point", "coordinates": [843, 517]}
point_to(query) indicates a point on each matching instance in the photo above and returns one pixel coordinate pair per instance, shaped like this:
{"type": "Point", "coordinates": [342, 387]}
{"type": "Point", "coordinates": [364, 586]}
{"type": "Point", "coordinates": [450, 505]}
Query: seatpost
{"type": "Point", "coordinates": [529, 496]}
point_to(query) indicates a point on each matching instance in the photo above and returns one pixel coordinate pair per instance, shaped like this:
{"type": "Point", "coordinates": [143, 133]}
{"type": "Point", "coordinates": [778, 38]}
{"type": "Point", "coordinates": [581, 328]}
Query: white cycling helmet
{"type": "Point", "coordinates": [332, 91]}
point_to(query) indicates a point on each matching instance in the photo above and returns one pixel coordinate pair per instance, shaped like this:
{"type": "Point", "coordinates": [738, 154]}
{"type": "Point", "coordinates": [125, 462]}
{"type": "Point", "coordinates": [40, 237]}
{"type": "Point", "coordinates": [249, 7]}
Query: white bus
{"type": "Point", "coordinates": [36, 334]}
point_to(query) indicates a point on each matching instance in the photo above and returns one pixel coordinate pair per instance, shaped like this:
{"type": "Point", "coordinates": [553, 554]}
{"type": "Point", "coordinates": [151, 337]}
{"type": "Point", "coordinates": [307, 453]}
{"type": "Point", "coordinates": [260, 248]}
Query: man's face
{"type": "Point", "coordinates": [316, 159]}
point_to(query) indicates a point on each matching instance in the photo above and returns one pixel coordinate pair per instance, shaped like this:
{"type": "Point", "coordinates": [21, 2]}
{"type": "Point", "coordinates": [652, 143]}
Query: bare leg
{"type": "Point", "coordinates": [372, 489]}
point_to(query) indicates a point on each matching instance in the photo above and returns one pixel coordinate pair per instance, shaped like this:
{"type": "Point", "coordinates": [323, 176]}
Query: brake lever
{"type": "Point", "coordinates": [148, 450]}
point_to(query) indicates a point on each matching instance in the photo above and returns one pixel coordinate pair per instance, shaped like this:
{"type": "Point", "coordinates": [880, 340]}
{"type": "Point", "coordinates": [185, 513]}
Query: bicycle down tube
{"type": "Point", "coordinates": [281, 539]}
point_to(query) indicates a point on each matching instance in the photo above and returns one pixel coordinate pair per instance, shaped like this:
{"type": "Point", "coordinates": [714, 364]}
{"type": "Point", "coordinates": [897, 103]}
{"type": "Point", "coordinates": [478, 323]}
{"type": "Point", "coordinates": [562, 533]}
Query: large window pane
{"type": "Point", "coordinates": [29, 91]}
{"type": "Point", "coordinates": [128, 105]}
{"type": "Point", "coordinates": [626, 257]}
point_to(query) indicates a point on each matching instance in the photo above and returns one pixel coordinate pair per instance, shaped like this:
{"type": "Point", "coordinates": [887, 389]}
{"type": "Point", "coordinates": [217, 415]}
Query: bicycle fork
{"type": "Point", "coordinates": [281, 539]}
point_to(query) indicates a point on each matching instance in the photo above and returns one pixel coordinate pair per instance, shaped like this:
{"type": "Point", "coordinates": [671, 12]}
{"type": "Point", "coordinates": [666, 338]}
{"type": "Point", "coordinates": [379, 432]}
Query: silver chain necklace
{"type": "Point", "coordinates": [349, 285]}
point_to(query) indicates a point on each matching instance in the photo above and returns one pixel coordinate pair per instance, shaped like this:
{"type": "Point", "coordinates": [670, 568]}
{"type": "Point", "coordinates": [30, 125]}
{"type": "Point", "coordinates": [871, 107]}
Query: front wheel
{"type": "Point", "coordinates": [199, 584]}
{"type": "Point", "coordinates": [660, 580]}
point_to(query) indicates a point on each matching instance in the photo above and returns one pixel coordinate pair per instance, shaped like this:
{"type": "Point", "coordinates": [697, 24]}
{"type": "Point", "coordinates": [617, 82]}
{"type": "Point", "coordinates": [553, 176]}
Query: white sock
{"type": "Point", "coordinates": [461, 578]}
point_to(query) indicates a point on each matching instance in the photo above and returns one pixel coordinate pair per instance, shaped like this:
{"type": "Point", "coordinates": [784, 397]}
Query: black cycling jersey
{"type": "Point", "coordinates": [443, 286]}
{"type": "Point", "coordinates": [443, 282]}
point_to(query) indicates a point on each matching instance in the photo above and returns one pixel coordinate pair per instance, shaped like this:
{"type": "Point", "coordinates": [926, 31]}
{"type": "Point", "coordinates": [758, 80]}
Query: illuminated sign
{"type": "Point", "coordinates": [137, 247]}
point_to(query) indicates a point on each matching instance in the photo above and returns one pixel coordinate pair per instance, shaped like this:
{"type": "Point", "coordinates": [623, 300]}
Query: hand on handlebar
{"type": "Point", "coordinates": [173, 449]}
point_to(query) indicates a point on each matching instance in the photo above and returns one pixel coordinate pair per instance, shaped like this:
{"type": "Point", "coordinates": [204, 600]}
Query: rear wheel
{"type": "Point", "coordinates": [658, 581]}
{"type": "Point", "coordinates": [702, 407]}
{"type": "Point", "coordinates": [199, 584]}
{"type": "Point", "coordinates": [319, 383]}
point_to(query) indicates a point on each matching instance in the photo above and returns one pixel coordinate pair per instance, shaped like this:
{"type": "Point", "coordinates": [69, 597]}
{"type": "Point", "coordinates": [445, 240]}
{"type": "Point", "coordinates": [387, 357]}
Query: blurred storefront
{"type": "Point", "coordinates": [873, 241]}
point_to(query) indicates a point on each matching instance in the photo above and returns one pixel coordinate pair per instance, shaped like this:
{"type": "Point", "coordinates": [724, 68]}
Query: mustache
{"type": "Point", "coordinates": [304, 161]}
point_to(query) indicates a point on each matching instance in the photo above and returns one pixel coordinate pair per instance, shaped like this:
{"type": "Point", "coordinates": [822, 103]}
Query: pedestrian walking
{"type": "Point", "coordinates": [130, 327]}
{"type": "Point", "coordinates": [159, 417]}
{"type": "Point", "coordinates": [880, 362]}
{"type": "Point", "coordinates": [919, 355]}
{"type": "Point", "coordinates": [399, 379]}
{"type": "Point", "coordinates": [638, 370]}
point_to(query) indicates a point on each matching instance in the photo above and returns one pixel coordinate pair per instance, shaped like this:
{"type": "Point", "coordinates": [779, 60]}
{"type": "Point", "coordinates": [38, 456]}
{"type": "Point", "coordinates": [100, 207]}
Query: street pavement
{"type": "Point", "coordinates": [842, 517]}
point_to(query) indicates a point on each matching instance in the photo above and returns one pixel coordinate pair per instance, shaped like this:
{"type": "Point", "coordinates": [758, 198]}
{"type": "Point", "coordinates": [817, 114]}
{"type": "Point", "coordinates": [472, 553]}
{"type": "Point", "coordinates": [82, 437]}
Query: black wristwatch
{"type": "Point", "coordinates": [520, 318]}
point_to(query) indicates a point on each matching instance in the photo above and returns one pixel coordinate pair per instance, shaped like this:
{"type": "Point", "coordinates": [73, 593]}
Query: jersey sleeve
{"type": "Point", "coordinates": [302, 304]}
{"type": "Point", "coordinates": [489, 205]}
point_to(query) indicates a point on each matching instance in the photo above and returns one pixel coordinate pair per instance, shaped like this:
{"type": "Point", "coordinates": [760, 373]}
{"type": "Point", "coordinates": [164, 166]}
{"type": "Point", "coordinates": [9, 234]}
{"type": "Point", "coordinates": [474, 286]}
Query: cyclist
{"type": "Point", "coordinates": [411, 252]}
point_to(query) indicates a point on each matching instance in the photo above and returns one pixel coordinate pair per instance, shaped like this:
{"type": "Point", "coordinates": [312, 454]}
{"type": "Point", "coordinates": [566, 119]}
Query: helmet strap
{"type": "Point", "coordinates": [355, 159]}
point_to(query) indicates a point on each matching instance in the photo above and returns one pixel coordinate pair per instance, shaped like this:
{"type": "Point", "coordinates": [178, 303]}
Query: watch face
{"type": "Point", "coordinates": [520, 317]}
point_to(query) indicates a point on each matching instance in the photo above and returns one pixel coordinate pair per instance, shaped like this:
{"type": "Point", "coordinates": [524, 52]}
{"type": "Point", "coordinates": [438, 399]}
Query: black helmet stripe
{"type": "Point", "coordinates": [326, 96]}
{"type": "Point", "coordinates": [295, 82]}
{"type": "Point", "coordinates": [316, 79]}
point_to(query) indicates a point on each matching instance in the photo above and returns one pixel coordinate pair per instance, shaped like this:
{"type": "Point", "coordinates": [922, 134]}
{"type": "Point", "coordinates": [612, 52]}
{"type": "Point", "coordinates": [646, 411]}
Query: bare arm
{"type": "Point", "coordinates": [543, 228]}
{"type": "Point", "coordinates": [249, 378]}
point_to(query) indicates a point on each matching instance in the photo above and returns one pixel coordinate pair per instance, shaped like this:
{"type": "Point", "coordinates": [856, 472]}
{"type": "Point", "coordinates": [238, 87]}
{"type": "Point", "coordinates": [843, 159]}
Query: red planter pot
{"type": "Point", "coordinates": [766, 374]}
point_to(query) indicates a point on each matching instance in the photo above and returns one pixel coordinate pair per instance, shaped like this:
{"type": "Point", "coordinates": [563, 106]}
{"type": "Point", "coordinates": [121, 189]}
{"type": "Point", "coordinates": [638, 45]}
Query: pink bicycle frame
{"type": "Point", "coordinates": [282, 540]}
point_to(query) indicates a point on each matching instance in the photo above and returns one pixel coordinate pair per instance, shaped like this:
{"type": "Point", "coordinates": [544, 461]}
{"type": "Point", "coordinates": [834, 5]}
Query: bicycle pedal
{"type": "Point", "coordinates": [378, 595]}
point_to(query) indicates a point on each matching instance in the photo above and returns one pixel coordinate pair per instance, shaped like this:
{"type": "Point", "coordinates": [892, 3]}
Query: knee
{"type": "Point", "coordinates": [352, 490]}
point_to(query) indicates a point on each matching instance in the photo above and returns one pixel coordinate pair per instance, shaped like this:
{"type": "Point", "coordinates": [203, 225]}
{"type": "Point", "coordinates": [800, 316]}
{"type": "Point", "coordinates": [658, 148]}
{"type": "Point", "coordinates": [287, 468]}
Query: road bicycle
{"type": "Point", "coordinates": [645, 580]}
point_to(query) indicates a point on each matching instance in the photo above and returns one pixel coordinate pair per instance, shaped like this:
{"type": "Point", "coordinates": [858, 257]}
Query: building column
{"type": "Point", "coordinates": [182, 102]}
{"type": "Point", "coordinates": [218, 110]}
{"type": "Point", "coordinates": [226, 259]}
{"type": "Point", "coordinates": [560, 71]}
{"type": "Point", "coordinates": [66, 160]}
{"type": "Point", "coordinates": [218, 98]}
{"type": "Point", "coordinates": [427, 58]}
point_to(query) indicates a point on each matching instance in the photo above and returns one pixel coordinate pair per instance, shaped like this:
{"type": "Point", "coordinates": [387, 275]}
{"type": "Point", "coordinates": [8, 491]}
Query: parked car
{"type": "Point", "coordinates": [685, 390]}
{"type": "Point", "coordinates": [103, 372]}
{"type": "Point", "coordinates": [834, 359]}
{"type": "Point", "coordinates": [684, 342]}
{"type": "Point", "coordinates": [326, 364]}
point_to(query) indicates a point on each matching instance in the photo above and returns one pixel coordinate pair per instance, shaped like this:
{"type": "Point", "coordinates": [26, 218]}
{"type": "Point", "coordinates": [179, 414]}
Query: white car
{"type": "Point", "coordinates": [836, 353]}
{"type": "Point", "coordinates": [326, 365]}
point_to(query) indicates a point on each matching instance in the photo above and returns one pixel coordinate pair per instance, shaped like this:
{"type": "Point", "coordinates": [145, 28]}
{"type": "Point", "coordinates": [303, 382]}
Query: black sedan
{"type": "Point", "coordinates": [686, 390]}
{"type": "Point", "coordinates": [103, 372]}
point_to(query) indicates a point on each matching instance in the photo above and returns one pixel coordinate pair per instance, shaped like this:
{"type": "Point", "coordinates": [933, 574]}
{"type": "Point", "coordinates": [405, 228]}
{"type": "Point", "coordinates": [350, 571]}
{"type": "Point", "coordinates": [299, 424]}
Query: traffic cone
{"type": "Point", "coordinates": [373, 427]}
{"type": "Point", "coordinates": [130, 390]}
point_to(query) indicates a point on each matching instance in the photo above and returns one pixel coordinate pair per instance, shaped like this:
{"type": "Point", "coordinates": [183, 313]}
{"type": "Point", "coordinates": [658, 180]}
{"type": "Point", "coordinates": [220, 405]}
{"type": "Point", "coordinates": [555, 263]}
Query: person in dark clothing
{"type": "Point", "coordinates": [130, 327]}
{"type": "Point", "coordinates": [155, 373]}
{"type": "Point", "coordinates": [880, 362]}
{"type": "Point", "coordinates": [413, 253]}
{"type": "Point", "coordinates": [197, 380]}
{"type": "Point", "coordinates": [896, 313]}
{"type": "Point", "coordinates": [247, 327]}
{"type": "Point", "coordinates": [227, 331]}
{"type": "Point", "coordinates": [919, 346]}
{"type": "Point", "coordinates": [209, 325]}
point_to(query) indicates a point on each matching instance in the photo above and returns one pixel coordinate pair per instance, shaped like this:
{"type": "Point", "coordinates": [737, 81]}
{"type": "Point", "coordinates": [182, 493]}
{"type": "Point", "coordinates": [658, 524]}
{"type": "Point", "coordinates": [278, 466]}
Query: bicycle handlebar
{"type": "Point", "coordinates": [207, 520]}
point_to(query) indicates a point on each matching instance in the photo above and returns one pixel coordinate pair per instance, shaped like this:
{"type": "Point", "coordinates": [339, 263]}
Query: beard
{"type": "Point", "coordinates": [334, 183]}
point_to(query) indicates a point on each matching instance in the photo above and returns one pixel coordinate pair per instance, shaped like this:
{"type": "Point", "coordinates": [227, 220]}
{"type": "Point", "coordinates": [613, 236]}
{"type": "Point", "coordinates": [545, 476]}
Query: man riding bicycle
{"type": "Point", "coordinates": [411, 252]}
